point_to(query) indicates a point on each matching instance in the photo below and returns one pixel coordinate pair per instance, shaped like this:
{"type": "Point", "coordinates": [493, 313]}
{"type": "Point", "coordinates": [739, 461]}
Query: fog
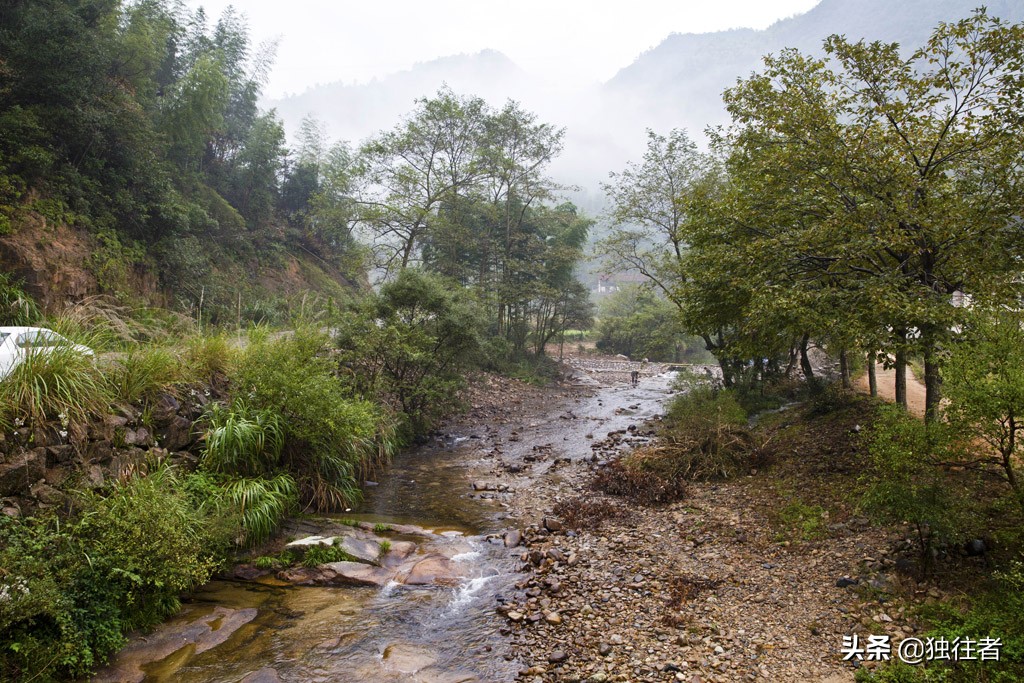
{"type": "Point", "coordinates": [604, 72]}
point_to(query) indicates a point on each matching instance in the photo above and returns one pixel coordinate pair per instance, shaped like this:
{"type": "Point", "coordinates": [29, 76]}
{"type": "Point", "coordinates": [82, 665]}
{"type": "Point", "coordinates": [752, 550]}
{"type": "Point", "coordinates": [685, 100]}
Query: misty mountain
{"type": "Point", "coordinates": [677, 84]}
{"type": "Point", "coordinates": [354, 112]}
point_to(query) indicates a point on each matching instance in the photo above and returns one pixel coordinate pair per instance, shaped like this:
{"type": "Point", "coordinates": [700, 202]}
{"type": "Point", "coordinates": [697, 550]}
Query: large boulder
{"type": "Point", "coordinates": [434, 570]}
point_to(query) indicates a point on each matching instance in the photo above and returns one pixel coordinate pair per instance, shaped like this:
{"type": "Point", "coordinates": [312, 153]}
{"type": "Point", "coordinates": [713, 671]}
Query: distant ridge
{"type": "Point", "coordinates": [677, 84]}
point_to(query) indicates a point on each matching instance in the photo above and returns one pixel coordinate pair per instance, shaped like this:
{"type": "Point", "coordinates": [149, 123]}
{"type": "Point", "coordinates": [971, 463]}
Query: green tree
{"type": "Point", "coordinates": [984, 382]}
{"type": "Point", "coordinates": [901, 174]}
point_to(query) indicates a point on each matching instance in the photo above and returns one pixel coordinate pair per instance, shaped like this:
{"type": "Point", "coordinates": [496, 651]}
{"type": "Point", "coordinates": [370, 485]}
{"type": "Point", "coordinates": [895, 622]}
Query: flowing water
{"type": "Point", "coordinates": [396, 633]}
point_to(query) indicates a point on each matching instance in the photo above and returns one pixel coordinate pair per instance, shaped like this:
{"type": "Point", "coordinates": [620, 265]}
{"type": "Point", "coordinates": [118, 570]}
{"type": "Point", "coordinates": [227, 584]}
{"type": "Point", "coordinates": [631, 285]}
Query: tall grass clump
{"type": "Point", "coordinates": [16, 307]}
{"type": "Point", "coordinates": [260, 503]}
{"type": "Point", "coordinates": [243, 441]}
{"type": "Point", "coordinates": [63, 383]}
{"type": "Point", "coordinates": [331, 438]}
{"type": "Point", "coordinates": [142, 373]}
{"type": "Point", "coordinates": [208, 357]}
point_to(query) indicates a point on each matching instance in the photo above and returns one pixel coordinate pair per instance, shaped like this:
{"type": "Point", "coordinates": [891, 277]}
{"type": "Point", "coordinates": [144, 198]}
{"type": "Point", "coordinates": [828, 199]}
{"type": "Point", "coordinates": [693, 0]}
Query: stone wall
{"type": "Point", "coordinates": [40, 464]}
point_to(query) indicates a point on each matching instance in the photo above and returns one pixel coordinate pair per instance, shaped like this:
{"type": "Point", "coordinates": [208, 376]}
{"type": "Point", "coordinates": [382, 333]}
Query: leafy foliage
{"type": "Point", "coordinates": [412, 345]}
{"type": "Point", "coordinates": [71, 590]}
{"type": "Point", "coordinates": [330, 438]}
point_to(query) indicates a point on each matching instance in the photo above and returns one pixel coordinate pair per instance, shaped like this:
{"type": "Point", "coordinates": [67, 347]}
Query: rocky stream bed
{"type": "Point", "coordinates": [460, 571]}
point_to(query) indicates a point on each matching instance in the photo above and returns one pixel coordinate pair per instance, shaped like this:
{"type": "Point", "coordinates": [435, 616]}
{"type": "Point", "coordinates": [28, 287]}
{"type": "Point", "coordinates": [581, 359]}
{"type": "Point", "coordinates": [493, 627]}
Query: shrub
{"type": "Point", "coordinates": [411, 346]}
{"type": "Point", "coordinates": [72, 589]}
{"type": "Point", "coordinates": [904, 484]}
{"type": "Point", "coordinates": [621, 478]}
{"type": "Point", "coordinates": [706, 437]}
{"type": "Point", "coordinates": [331, 439]}
{"type": "Point", "coordinates": [583, 513]}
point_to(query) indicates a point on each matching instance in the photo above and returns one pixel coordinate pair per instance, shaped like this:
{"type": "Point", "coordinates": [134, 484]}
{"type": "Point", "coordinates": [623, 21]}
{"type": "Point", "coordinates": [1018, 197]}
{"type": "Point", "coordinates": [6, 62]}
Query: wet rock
{"type": "Point", "coordinates": [513, 538]}
{"type": "Point", "coordinates": [248, 572]}
{"type": "Point", "coordinates": [846, 582]}
{"type": "Point", "coordinates": [201, 634]}
{"type": "Point", "coordinates": [21, 471]}
{"type": "Point", "coordinates": [408, 658]}
{"type": "Point", "coordinates": [363, 549]}
{"type": "Point", "coordinates": [399, 552]}
{"type": "Point", "coordinates": [434, 570]}
{"type": "Point", "coordinates": [357, 574]}
{"type": "Point", "coordinates": [264, 675]}
{"type": "Point", "coordinates": [557, 657]}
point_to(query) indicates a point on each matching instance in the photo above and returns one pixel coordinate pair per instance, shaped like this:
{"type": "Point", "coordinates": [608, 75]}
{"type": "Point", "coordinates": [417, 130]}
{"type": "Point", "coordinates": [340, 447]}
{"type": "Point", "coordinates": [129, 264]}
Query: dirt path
{"type": "Point", "coordinates": [887, 388]}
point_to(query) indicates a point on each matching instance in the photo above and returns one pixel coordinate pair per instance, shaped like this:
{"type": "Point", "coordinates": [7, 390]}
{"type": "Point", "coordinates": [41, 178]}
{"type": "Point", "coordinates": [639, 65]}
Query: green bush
{"type": "Point", "coordinates": [996, 611]}
{"type": "Point", "coordinates": [412, 344]}
{"type": "Point", "coordinates": [331, 439]}
{"type": "Point", "coordinates": [903, 483]}
{"type": "Point", "coordinates": [706, 437]}
{"type": "Point", "coordinates": [71, 589]}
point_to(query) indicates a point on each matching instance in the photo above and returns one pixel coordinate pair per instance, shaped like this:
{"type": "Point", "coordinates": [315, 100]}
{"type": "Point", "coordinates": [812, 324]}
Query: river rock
{"type": "Point", "coordinates": [355, 574]}
{"type": "Point", "coordinates": [363, 549]}
{"type": "Point", "coordinates": [202, 633]}
{"type": "Point", "coordinates": [398, 553]}
{"type": "Point", "coordinates": [408, 658]}
{"type": "Point", "coordinates": [513, 538]}
{"type": "Point", "coordinates": [264, 675]}
{"type": "Point", "coordinates": [433, 570]}
{"type": "Point", "coordinates": [552, 524]}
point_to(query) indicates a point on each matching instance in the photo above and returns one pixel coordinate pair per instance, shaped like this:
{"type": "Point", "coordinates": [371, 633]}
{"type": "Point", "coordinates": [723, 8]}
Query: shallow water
{"type": "Point", "coordinates": [405, 633]}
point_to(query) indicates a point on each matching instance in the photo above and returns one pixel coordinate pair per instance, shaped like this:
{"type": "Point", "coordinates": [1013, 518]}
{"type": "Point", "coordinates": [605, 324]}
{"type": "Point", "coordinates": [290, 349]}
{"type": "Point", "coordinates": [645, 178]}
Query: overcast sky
{"type": "Point", "coordinates": [322, 41]}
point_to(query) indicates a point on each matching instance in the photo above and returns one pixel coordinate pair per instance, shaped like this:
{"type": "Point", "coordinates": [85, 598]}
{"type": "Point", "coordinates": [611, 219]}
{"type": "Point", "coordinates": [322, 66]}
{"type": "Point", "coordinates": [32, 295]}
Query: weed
{"type": "Point", "coordinates": [325, 554]}
{"type": "Point", "coordinates": [381, 528]}
{"type": "Point", "coordinates": [586, 513]}
{"type": "Point", "coordinates": [385, 547]}
{"type": "Point", "coordinates": [619, 478]}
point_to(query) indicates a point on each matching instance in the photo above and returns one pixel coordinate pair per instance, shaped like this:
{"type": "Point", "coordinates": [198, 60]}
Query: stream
{"type": "Point", "coordinates": [260, 633]}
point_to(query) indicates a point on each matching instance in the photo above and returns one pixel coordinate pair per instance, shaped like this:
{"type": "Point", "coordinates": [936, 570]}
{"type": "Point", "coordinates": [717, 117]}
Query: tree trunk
{"type": "Point", "coordinates": [901, 368]}
{"type": "Point", "coordinates": [844, 369]}
{"type": "Point", "coordinates": [805, 362]}
{"type": "Point", "coordinates": [932, 380]}
{"type": "Point", "coordinates": [872, 377]}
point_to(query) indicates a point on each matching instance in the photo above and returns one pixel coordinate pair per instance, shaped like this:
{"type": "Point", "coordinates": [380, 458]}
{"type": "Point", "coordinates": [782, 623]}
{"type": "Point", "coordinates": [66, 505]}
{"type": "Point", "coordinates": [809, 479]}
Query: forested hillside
{"type": "Point", "coordinates": [133, 149]}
